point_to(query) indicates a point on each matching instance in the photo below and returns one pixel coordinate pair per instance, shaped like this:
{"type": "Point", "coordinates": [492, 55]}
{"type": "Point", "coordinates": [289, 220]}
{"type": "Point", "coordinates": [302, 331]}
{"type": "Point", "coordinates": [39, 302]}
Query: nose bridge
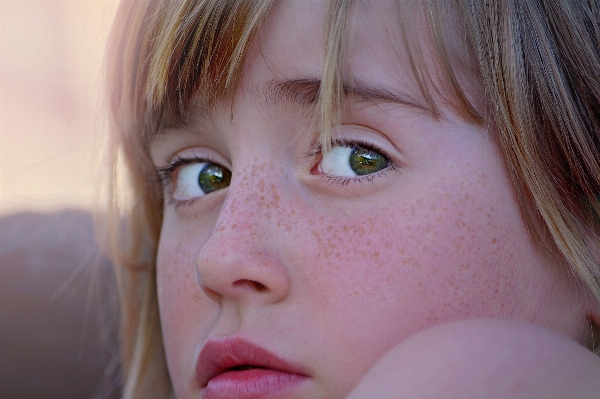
{"type": "Point", "coordinates": [241, 258]}
{"type": "Point", "coordinates": [250, 199]}
{"type": "Point", "coordinates": [252, 203]}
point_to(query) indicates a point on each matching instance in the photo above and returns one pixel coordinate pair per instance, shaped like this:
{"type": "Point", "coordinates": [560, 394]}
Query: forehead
{"type": "Point", "coordinates": [292, 38]}
{"type": "Point", "coordinates": [387, 46]}
{"type": "Point", "coordinates": [387, 43]}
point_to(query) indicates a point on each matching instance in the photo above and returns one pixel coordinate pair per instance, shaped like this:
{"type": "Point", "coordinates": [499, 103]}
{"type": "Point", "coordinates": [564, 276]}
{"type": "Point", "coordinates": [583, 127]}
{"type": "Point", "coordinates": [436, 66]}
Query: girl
{"type": "Point", "coordinates": [323, 188]}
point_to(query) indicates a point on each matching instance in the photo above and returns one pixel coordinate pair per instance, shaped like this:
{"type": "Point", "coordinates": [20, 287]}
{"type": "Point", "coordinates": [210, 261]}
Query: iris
{"type": "Point", "coordinates": [364, 161]}
{"type": "Point", "coordinates": [213, 177]}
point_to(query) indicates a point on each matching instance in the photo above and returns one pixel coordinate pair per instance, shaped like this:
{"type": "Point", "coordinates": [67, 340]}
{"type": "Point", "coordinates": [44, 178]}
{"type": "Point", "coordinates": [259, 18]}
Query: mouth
{"type": "Point", "coordinates": [244, 367]}
{"type": "Point", "coordinates": [236, 369]}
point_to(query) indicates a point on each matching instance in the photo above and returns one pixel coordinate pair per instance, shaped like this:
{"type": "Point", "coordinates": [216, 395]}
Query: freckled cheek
{"type": "Point", "coordinates": [182, 305]}
{"type": "Point", "coordinates": [426, 262]}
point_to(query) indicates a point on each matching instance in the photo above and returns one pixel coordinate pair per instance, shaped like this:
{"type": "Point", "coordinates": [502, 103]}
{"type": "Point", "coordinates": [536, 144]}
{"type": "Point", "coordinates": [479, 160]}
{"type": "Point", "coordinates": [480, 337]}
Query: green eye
{"type": "Point", "coordinates": [364, 161]}
{"type": "Point", "coordinates": [200, 178]}
{"type": "Point", "coordinates": [352, 160]}
{"type": "Point", "coordinates": [213, 177]}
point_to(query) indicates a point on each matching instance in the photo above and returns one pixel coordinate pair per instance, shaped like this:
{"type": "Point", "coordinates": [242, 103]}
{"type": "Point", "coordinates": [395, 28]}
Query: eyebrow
{"type": "Point", "coordinates": [305, 93]}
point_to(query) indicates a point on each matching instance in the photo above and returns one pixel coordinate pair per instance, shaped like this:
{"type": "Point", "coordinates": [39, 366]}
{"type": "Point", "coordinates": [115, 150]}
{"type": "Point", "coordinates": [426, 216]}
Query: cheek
{"type": "Point", "coordinates": [434, 258]}
{"type": "Point", "coordinates": [183, 308]}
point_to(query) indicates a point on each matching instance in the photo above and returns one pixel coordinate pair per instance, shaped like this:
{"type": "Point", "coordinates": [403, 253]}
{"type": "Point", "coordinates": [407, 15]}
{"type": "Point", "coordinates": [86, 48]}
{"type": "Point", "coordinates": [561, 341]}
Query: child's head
{"type": "Point", "coordinates": [324, 179]}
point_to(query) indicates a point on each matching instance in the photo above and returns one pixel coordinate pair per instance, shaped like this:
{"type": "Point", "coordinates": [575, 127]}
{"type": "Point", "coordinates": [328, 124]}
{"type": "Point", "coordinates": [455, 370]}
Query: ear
{"type": "Point", "coordinates": [594, 310]}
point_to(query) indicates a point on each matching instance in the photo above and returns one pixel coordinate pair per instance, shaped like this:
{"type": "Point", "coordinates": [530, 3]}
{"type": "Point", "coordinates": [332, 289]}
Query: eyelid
{"type": "Point", "coordinates": [167, 173]}
{"type": "Point", "coordinates": [191, 155]}
{"type": "Point", "coordinates": [345, 139]}
{"type": "Point", "coordinates": [353, 133]}
{"type": "Point", "coordinates": [341, 180]}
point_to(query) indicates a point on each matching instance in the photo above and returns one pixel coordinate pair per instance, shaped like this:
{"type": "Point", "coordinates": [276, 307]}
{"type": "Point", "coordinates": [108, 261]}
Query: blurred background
{"type": "Point", "coordinates": [51, 126]}
{"type": "Point", "coordinates": [57, 335]}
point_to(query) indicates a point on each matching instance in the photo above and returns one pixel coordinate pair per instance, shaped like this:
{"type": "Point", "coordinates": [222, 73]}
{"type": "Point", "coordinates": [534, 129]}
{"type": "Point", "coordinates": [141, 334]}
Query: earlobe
{"type": "Point", "coordinates": [595, 313]}
{"type": "Point", "coordinates": [594, 316]}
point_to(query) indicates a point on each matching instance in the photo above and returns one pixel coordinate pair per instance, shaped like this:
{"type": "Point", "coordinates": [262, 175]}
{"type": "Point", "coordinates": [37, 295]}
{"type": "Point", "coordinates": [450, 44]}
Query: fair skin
{"type": "Point", "coordinates": [484, 358]}
{"type": "Point", "coordinates": [331, 272]}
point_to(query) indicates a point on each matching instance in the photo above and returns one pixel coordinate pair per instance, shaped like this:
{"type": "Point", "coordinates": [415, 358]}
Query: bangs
{"type": "Point", "coordinates": [170, 54]}
{"type": "Point", "coordinates": [199, 52]}
{"type": "Point", "coordinates": [438, 53]}
{"type": "Point", "coordinates": [442, 61]}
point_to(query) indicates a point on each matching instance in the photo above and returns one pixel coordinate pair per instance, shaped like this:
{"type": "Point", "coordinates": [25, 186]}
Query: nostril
{"type": "Point", "coordinates": [260, 287]}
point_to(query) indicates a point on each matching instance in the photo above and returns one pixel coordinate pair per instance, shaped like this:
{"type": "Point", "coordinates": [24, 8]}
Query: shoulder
{"type": "Point", "coordinates": [484, 358]}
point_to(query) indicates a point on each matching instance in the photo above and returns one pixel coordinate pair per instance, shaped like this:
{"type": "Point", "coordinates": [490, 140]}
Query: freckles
{"type": "Point", "coordinates": [178, 294]}
{"type": "Point", "coordinates": [179, 262]}
{"type": "Point", "coordinates": [275, 196]}
{"type": "Point", "coordinates": [353, 257]}
{"type": "Point", "coordinates": [455, 226]}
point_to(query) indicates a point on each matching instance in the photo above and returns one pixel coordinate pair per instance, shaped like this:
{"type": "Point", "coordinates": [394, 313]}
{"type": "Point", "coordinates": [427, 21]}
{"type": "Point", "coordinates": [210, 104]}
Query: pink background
{"type": "Point", "coordinates": [51, 121]}
{"type": "Point", "coordinates": [57, 299]}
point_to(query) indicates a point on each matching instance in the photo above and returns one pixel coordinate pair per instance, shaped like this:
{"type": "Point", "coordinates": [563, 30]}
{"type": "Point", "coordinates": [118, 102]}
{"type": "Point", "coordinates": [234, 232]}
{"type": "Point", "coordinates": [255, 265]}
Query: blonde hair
{"type": "Point", "coordinates": [537, 61]}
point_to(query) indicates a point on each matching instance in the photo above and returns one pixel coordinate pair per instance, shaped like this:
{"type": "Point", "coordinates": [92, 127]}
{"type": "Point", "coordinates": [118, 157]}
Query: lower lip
{"type": "Point", "coordinates": [252, 384]}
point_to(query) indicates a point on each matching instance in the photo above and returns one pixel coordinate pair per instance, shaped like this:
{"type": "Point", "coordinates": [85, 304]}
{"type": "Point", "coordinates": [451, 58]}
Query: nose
{"type": "Point", "coordinates": [242, 260]}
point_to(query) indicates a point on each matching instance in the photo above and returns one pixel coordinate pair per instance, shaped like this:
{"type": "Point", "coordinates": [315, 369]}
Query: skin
{"type": "Point", "coordinates": [331, 273]}
{"type": "Point", "coordinates": [484, 358]}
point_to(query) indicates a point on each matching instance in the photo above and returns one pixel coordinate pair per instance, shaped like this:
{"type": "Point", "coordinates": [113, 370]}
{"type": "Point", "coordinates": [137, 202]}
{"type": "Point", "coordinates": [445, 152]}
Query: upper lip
{"type": "Point", "coordinates": [218, 356]}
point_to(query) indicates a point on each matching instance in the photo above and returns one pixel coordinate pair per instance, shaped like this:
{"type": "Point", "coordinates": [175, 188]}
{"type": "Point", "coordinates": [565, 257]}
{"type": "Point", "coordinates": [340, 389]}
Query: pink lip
{"type": "Point", "coordinates": [236, 369]}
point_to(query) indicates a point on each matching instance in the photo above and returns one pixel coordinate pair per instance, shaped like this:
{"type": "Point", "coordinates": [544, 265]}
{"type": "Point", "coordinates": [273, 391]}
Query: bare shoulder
{"type": "Point", "coordinates": [484, 358]}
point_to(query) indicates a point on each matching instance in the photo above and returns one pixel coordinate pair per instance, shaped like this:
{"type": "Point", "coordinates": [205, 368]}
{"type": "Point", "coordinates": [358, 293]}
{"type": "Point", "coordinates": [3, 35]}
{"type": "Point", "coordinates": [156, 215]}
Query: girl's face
{"type": "Point", "coordinates": [326, 262]}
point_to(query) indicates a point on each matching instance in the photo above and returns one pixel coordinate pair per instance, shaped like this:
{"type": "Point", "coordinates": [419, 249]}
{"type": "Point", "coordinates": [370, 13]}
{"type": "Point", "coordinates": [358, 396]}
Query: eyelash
{"type": "Point", "coordinates": [165, 173]}
{"type": "Point", "coordinates": [317, 149]}
{"type": "Point", "coordinates": [165, 177]}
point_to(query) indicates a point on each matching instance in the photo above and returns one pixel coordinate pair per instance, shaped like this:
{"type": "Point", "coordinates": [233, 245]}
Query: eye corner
{"type": "Point", "coordinates": [316, 164]}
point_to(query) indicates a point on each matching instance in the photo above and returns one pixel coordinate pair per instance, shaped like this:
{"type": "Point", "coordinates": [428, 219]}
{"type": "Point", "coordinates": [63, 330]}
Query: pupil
{"type": "Point", "coordinates": [364, 161]}
{"type": "Point", "coordinates": [213, 177]}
